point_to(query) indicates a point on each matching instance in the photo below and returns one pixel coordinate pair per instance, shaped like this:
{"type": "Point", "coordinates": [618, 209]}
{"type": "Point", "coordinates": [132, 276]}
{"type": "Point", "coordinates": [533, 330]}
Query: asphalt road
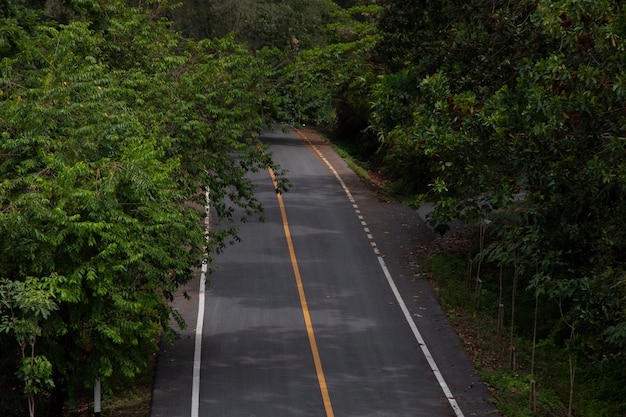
{"type": "Point", "coordinates": [303, 318]}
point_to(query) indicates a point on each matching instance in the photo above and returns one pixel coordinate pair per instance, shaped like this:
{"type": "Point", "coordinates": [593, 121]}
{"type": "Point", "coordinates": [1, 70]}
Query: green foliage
{"type": "Point", "coordinates": [319, 78]}
{"type": "Point", "coordinates": [257, 24]}
{"type": "Point", "coordinates": [516, 109]}
{"type": "Point", "coordinates": [514, 391]}
{"type": "Point", "coordinates": [597, 388]}
{"type": "Point", "coordinates": [452, 290]}
{"type": "Point", "coordinates": [111, 124]}
{"type": "Point", "coordinates": [110, 127]}
{"type": "Point", "coordinates": [311, 55]}
{"type": "Point", "coordinates": [515, 112]}
{"type": "Point", "coordinates": [23, 306]}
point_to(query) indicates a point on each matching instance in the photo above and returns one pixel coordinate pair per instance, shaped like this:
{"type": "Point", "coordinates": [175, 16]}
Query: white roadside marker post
{"type": "Point", "coordinates": [97, 398]}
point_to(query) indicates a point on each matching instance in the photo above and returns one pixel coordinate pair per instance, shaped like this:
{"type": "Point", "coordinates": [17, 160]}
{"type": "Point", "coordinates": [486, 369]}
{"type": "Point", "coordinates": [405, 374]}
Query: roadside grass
{"type": "Point", "coordinates": [131, 398]}
{"type": "Point", "coordinates": [352, 163]}
{"type": "Point", "coordinates": [384, 188]}
{"type": "Point", "coordinates": [599, 388]}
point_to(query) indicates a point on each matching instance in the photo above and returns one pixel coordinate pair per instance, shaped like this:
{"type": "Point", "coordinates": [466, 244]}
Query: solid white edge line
{"type": "Point", "coordinates": [407, 315]}
{"type": "Point", "coordinates": [420, 340]}
{"type": "Point", "coordinates": [197, 351]}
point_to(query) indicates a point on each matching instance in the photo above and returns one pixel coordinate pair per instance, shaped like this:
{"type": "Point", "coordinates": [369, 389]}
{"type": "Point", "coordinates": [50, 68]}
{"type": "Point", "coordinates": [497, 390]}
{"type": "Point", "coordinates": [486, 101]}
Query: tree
{"type": "Point", "coordinates": [111, 124]}
{"type": "Point", "coordinates": [516, 110]}
{"type": "Point", "coordinates": [27, 304]}
{"type": "Point", "coordinates": [257, 24]}
{"type": "Point", "coordinates": [314, 80]}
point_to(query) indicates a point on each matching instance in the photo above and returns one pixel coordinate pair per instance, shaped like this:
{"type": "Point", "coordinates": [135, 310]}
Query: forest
{"type": "Point", "coordinates": [119, 118]}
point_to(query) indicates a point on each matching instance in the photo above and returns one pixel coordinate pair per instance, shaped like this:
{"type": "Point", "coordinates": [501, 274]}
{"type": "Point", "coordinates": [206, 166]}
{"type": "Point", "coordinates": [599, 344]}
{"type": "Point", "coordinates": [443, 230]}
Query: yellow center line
{"type": "Point", "coordinates": [305, 309]}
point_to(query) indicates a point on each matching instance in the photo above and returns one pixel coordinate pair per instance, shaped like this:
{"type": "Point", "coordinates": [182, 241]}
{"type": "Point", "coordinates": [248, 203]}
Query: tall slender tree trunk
{"type": "Point", "coordinates": [513, 297]}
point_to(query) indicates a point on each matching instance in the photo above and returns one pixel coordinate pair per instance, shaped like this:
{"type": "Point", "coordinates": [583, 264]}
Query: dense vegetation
{"type": "Point", "coordinates": [112, 126]}
{"type": "Point", "coordinates": [511, 115]}
{"type": "Point", "coordinates": [505, 114]}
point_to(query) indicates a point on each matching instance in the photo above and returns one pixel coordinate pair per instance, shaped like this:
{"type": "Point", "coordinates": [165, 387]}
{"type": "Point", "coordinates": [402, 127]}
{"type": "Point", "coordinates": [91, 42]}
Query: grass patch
{"type": "Point", "coordinates": [132, 398]}
{"type": "Point", "coordinates": [347, 150]}
{"type": "Point", "coordinates": [384, 188]}
{"type": "Point", "coordinates": [352, 163]}
{"type": "Point", "coordinates": [599, 388]}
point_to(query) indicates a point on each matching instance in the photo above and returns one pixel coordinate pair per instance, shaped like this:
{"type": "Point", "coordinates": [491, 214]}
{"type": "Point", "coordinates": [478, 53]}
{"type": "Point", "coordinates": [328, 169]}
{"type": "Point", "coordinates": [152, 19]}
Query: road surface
{"type": "Point", "coordinates": [317, 312]}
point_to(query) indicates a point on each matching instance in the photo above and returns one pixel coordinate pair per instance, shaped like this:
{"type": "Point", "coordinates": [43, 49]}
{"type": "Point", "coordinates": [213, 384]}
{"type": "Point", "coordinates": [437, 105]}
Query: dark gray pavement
{"type": "Point", "coordinates": [256, 356]}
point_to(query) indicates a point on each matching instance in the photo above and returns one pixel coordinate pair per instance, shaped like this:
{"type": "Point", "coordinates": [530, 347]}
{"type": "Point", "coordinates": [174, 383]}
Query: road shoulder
{"type": "Point", "coordinates": [400, 232]}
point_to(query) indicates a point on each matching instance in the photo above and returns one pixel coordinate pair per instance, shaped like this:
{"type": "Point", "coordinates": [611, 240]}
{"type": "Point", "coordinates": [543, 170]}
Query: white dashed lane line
{"type": "Point", "coordinates": [416, 333]}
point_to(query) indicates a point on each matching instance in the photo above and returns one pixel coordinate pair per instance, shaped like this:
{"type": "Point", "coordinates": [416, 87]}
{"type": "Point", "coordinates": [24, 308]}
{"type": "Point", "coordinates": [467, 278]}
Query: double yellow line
{"type": "Point", "coordinates": [303, 303]}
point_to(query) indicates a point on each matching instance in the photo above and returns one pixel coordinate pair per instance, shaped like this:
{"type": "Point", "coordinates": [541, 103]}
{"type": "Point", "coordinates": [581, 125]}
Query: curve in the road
{"type": "Point", "coordinates": [416, 333]}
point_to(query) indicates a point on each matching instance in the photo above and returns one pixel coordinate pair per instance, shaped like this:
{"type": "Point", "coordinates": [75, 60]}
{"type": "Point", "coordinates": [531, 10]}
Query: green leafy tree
{"type": "Point", "coordinates": [444, 60]}
{"type": "Point", "coordinates": [111, 125]}
{"type": "Point", "coordinates": [24, 305]}
{"type": "Point", "coordinates": [316, 80]}
{"type": "Point", "coordinates": [257, 24]}
{"type": "Point", "coordinates": [516, 108]}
